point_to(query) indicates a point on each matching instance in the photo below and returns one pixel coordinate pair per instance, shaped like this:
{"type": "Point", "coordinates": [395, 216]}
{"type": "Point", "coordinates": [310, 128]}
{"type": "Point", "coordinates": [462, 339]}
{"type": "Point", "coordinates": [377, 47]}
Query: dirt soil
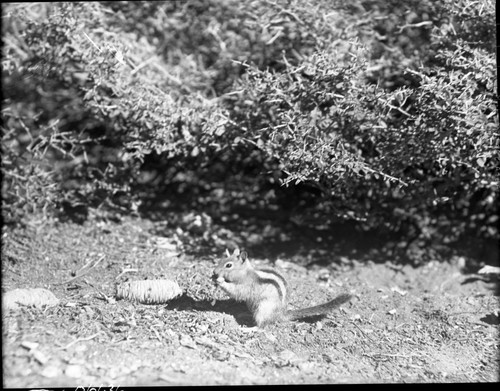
{"type": "Point", "coordinates": [427, 324]}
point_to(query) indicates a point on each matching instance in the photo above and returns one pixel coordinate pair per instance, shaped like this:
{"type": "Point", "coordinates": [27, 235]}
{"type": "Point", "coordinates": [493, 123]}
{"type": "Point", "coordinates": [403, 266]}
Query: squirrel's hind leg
{"type": "Point", "coordinates": [267, 312]}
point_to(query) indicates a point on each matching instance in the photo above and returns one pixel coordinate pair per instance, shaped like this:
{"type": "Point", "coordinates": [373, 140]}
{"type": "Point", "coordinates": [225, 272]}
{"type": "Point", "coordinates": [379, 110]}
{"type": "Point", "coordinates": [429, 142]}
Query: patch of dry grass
{"type": "Point", "coordinates": [393, 330]}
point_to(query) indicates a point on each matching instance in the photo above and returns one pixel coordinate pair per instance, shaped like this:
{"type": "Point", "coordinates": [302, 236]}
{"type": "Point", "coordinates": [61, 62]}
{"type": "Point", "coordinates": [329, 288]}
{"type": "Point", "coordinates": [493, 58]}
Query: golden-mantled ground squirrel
{"type": "Point", "coordinates": [264, 290]}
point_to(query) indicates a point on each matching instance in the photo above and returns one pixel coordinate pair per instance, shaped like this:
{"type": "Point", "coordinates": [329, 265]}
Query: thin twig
{"type": "Point", "coordinates": [84, 271]}
{"type": "Point", "coordinates": [79, 340]}
{"type": "Point", "coordinates": [421, 24]}
{"type": "Point", "coordinates": [366, 335]}
{"type": "Point", "coordinates": [142, 65]}
{"type": "Point", "coordinates": [126, 271]}
{"type": "Point", "coordinates": [97, 47]}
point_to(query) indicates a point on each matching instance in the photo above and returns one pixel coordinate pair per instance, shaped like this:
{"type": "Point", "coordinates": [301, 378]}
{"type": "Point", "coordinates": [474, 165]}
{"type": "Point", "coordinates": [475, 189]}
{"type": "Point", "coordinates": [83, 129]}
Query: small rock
{"type": "Point", "coordinates": [305, 366]}
{"type": "Point", "coordinates": [40, 357]}
{"type": "Point", "coordinates": [324, 274]}
{"type": "Point", "coordinates": [187, 341]}
{"type": "Point", "coordinates": [400, 291]}
{"type": "Point", "coordinates": [29, 345]}
{"type": "Point", "coordinates": [50, 371]}
{"type": "Point", "coordinates": [74, 371]}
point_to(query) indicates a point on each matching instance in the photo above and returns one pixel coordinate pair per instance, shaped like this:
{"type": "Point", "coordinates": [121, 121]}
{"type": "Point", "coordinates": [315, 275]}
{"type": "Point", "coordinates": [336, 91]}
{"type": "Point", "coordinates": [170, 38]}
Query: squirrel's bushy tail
{"type": "Point", "coordinates": [317, 310]}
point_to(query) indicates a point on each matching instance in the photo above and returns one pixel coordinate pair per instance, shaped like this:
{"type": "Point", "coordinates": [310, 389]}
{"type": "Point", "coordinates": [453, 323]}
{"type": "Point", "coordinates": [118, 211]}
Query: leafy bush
{"type": "Point", "coordinates": [384, 111]}
{"type": "Point", "coordinates": [419, 154]}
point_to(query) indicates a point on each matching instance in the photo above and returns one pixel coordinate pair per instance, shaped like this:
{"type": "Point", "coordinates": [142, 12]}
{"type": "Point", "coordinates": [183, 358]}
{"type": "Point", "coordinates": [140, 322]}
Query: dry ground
{"type": "Point", "coordinates": [404, 324]}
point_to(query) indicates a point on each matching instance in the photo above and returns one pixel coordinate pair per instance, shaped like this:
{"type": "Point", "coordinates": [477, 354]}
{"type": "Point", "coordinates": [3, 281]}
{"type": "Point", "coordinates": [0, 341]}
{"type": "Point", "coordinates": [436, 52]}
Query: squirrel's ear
{"type": "Point", "coordinates": [228, 253]}
{"type": "Point", "coordinates": [243, 256]}
{"type": "Point", "coordinates": [236, 252]}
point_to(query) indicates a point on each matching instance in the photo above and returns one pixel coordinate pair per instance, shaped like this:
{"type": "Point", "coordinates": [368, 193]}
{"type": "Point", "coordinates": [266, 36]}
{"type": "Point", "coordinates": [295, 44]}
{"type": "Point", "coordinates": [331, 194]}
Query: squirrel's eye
{"type": "Point", "coordinates": [228, 265]}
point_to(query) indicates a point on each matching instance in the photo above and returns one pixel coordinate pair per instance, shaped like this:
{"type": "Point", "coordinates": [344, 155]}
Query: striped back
{"type": "Point", "coordinates": [268, 275]}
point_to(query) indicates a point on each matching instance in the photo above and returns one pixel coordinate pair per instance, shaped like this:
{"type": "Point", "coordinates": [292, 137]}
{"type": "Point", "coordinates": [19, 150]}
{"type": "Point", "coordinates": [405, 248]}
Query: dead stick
{"type": "Point", "coordinates": [80, 340]}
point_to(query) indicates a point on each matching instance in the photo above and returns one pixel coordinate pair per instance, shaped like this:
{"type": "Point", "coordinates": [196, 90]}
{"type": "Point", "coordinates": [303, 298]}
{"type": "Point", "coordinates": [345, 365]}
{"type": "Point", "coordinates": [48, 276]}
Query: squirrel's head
{"type": "Point", "coordinates": [230, 267]}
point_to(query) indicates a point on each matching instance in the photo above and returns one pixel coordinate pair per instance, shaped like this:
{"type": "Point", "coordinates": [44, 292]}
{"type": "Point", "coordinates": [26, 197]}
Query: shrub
{"type": "Point", "coordinates": [386, 109]}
